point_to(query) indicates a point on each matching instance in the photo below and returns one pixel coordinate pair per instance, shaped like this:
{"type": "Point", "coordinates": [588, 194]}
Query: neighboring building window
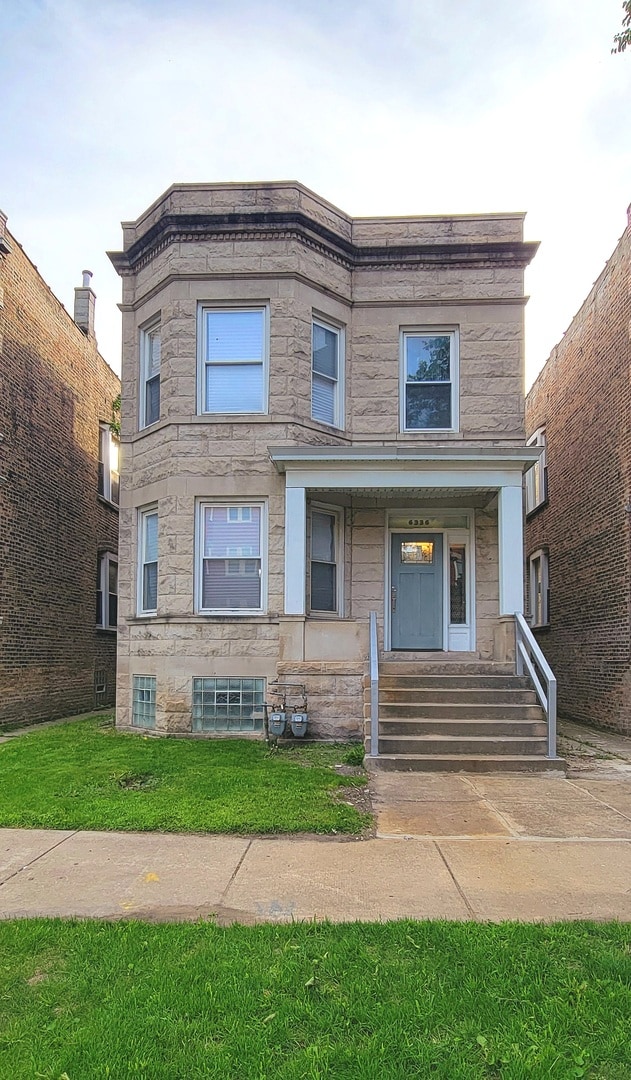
{"type": "Point", "coordinates": [228, 704]}
{"type": "Point", "coordinates": [143, 709]}
{"type": "Point", "coordinates": [326, 381]}
{"type": "Point", "coordinates": [539, 589]}
{"type": "Point", "coordinates": [231, 568]}
{"type": "Point", "coordinates": [107, 592]}
{"type": "Point", "coordinates": [537, 475]}
{"type": "Point", "coordinates": [324, 567]}
{"type": "Point", "coordinates": [108, 483]}
{"type": "Point", "coordinates": [150, 341]}
{"type": "Point", "coordinates": [233, 372]}
{"type": "Point", "coordinates": [430, 381]}
{"type": "Point", "coordinates": [148, 561]}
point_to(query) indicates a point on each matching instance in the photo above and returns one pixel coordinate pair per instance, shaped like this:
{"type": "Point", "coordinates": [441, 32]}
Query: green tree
{"type": "Point", "coordinates": [623, 39]}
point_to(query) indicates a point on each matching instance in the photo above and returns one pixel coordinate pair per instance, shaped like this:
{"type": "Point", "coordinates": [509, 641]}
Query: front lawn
{"type": "Point", "coordinates": [85, 775]}
{"type": "Point", "coordinates": [355, 1002]}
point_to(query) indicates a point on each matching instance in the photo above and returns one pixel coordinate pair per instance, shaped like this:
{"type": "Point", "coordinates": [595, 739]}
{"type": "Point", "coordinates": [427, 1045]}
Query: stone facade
{"type": "Point", "coordinates": [55, 389]}
{"type": "Point", "coordinates": [582, 399]}
{"type": "Point", "coordinates": [282, 247]}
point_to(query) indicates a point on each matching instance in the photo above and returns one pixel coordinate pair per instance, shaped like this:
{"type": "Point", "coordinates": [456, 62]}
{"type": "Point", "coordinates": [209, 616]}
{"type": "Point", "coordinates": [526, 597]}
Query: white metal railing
{"type": "Point", "coordinates": [374, 687]}
{"type": "Point", "coordinates": [528, 655]}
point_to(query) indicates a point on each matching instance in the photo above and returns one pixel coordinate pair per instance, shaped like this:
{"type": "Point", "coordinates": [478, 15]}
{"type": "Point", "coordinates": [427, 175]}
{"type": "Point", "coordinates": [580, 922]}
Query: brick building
{"type": "Point", "coordinates": [58, 500]}
{"type": "Point", "coordinates": [322, 418]}
{"type": "Point", "coordinates": [579, 504]}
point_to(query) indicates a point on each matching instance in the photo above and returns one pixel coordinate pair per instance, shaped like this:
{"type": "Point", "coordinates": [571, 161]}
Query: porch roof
{"type": "Point", "coordinates": [374, 469]}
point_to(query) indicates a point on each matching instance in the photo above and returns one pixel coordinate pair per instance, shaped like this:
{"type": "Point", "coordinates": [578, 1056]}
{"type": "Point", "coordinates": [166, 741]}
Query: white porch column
{"type": "Point", "coordinates": [295, 550]}
{"type": "Point", "coordinates": [510, 529]}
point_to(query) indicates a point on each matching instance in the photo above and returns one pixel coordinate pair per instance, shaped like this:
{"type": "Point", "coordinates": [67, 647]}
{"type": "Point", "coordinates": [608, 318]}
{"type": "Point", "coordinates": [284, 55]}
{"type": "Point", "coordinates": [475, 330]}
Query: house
{"type": "Point", "coordinates": [322, 418]}
{"type": "Point", "coordinates": [578, 526]}
{"type": "Point", "coordinates": [58, 500]}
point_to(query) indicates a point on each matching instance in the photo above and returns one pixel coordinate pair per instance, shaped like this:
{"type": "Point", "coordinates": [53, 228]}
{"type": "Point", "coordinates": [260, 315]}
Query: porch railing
{"type": "Point", "coordinates": [529, 656]}
{"type": "Point", "coordinates": [374, 687]}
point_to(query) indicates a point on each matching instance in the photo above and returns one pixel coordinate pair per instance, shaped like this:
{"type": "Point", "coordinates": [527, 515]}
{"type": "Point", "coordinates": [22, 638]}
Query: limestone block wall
{"type": "Point", "coordinates": [487, 582]}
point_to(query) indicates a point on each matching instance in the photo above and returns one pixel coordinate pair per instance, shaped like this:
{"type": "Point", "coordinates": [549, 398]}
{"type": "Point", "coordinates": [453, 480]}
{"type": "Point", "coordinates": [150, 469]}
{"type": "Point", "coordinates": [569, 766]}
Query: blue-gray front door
{"type": "Point", "coordinates": [416, 599]}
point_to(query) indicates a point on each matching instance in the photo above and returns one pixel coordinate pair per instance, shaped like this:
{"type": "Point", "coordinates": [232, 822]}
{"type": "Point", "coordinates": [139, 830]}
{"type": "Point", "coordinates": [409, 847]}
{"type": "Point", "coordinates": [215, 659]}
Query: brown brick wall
{"type": "Point", "coordinates": [54, 390]}
{"type": "Point", "coordinates": [583, 398]}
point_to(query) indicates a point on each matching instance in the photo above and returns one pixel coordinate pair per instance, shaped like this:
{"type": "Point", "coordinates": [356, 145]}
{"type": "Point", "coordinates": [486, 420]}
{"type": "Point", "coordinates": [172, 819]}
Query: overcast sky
{"type": "Point", "coordinates": [382, 107]}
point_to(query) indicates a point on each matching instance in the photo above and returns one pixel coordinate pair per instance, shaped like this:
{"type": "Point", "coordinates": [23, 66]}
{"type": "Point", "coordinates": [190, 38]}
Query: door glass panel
{"type": "Point", "coordinates": [457, 584]}
{"type": "Point", "coordinates": [417, 551]}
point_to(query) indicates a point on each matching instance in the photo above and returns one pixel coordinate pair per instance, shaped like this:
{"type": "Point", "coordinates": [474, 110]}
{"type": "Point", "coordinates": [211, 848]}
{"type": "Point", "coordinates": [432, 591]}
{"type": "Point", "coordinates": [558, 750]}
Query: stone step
{"type": "Point", "coordinates": [450, 711]}
{"type": "Point", "coordinates": [457, 696]}
{"type": "Point", "coordinates": [467, 763]}
{"type": "Point", "coordinates": [477, 745]}
{"type": "Point", "coordinates": [445, 667]}
{"type": "Point", "coordinates": [464, 728]}
{"type": "Point", "coordinates": [452, 682]}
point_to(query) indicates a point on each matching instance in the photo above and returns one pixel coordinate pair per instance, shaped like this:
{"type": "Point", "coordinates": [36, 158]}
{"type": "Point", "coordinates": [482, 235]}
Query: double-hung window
{"type": "Point", "coordinates": [324, 564]}
{"type": "Point", "coordinates": [107, 592]}
{"type": "Point", "coordinates": [326, 373]}
{"type": "Point", "coordinates": [537, 475]}
{"type": "Point", "coordinates": [539, 588]}
{"type": "Point", "coordinates": [150, 341]}
{"type": "Point", "coordinates": [148, 561]}
{"type": "Point", "coordinates": [231, 562]}
{"type": "Point", "coordinates": [108, 482]}
{"type": "Point", "coordinates": [429, 384]}
{"type": "Point", "coordinates": [233, 360]}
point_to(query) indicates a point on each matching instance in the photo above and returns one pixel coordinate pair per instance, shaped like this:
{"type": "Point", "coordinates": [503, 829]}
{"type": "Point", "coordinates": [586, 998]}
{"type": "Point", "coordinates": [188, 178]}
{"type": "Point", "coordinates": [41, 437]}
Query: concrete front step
{"type": "Point", "coordinates": [467, 763]}
{"type": "Point", "coordinates": [445, 667]}
{"type": "Point", "coordinates": [454, 744]}
{"type": "Point", "coordinates": [449, 711]}
{"type": "Point", "coordinates": [465, 728]}
{"type": "Point", "coordinates": [457, 696]}
{"type": "Point", "coordinates": [452, 682]}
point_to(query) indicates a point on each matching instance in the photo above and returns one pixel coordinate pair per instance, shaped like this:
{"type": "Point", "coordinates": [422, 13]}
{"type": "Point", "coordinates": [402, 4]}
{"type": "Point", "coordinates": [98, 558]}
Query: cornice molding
{"type": "Point", "coordinates": [294, 225]}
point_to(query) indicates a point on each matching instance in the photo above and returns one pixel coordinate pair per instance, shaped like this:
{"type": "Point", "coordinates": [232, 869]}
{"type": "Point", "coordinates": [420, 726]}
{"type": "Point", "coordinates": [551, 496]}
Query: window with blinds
{"type": "Point", "coordinates": [148, 561]}
{"type": "Point", "coordinates": [150, 346]}
{"type": "Point", "coordinates": [231, 565]}
{"type": "Point", "coordinates": [234, 351]}
{"type": "Point", "coordinates": [325, 374]}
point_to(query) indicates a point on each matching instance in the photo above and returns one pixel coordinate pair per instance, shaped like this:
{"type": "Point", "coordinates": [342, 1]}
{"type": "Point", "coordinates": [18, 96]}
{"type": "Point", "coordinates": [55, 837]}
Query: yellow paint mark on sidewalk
{"type": "Point", "coordinates": [151, 877]}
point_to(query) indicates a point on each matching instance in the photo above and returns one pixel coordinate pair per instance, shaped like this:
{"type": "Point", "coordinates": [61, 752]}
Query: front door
{"type": "Point", "coordinates": [416, 599]}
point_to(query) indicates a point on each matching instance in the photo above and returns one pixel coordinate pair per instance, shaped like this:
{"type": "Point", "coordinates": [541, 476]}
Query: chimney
{"type": "Point", "coordinates": [84, 300]}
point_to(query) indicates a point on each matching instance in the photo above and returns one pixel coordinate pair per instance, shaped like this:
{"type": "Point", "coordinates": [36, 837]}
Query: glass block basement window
{"type": "Point", "coordinates": [227, 704]}
{"type": "Point", "coordinates": [143, 711]}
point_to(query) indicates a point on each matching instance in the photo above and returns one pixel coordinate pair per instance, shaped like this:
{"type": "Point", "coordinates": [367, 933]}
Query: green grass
{"type": "Point", "coordinates": [303, 1002]}
{"type": "Point", "coordinates": [85, 775]}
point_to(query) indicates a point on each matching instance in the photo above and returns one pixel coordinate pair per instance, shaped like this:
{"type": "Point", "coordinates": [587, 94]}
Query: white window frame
{"type": "Point", "coordinates": [338, 407]}
{"type": "Point", "coordinates": [152, 690]}
{"type": "Point", "coordinates": [454, 372]}
{"type": "Point", "coordinates": [143, 514]}
{"type": "Point", "coordinates": [104, 561]}
{"type": "Point", "coordinates": [536, 479]}
{"type": "Point", "coordinates": [541, 557]}
{"type": "Point", "coordinates": [109, 447]}
{"type": "Point", "coordinates": [202, 505]}
{"type": "Point", "coordinates": [146, 334]}
{"type": "Point", "coordinates": [336, 512]}
{"type": "Point", "coordinates": [228, 308]}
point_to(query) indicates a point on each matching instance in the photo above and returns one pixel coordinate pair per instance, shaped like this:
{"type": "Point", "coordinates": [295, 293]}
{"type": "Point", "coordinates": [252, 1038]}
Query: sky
{"type": "Point", "coordinates": [382, 107]}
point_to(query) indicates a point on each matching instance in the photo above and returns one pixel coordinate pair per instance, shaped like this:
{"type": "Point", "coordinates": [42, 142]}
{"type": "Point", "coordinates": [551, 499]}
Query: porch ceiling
{"type": "Point", "coordinates": [470, 497]}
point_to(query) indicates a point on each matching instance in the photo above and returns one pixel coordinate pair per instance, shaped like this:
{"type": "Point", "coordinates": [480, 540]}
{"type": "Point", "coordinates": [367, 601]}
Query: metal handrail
{"type": "Point", "coordinates": [374, 687]}
{"type": "Point", "coordinates": [528, 654]}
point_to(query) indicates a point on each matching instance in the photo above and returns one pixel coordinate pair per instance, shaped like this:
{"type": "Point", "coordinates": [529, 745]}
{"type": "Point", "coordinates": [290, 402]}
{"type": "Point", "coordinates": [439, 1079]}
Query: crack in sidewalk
{"type": "Point", "coordinates": [27, 865]}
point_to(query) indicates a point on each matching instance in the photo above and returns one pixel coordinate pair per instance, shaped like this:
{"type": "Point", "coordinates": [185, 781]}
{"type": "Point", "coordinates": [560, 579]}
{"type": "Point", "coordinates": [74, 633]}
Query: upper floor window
{"type": "Point", "coordinates": [150, 375]}
{"type": "Point", "coordinates": [148, 561]}
{"type": "Point", "coordinates": [326, 381]}
{"type": "Point", "coordinates": [537, 475]}
{"type": "Point", "coordinates": [539, 588]}
{"type": "Point", "coordinates": [231, 559]}
{"type": "Point", "coordinates": [108, 482]}
{"type": "Point", "coordinates": [233, 360]}
{"type": "Point", "coordinates": [107, 592]}
{"type": "Point", "coordinates": [429, 384]}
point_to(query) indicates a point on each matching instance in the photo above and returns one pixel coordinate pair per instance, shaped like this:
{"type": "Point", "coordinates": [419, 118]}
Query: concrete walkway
{"type": "Point", "coordinates": [446, 846]}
